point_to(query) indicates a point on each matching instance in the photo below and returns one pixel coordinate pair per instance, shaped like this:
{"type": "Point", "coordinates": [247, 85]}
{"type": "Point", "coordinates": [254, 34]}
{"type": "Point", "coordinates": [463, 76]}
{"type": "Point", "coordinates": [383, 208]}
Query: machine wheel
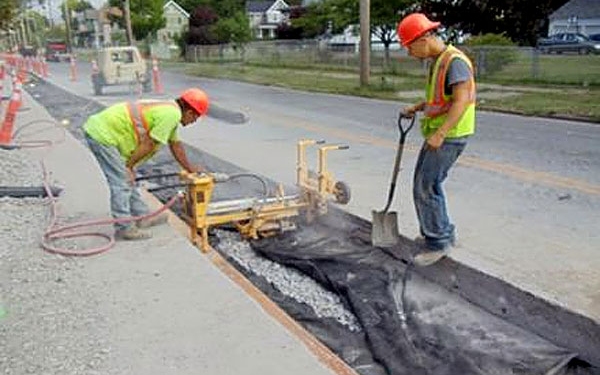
{"type": "Point", "coordinates": [147, 86]}
{"type": "Point", "coordinates": [97, 83]}
{"type": "Point", "coordinates": [342, 192]}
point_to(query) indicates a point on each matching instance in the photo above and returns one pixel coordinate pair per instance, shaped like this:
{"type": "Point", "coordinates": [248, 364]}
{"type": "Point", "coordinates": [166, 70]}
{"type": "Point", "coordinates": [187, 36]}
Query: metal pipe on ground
{"type": "Point", "coordinates": [28, 191]}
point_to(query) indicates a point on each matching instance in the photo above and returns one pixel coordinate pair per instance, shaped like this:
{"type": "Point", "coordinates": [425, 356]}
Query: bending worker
{"type": "Point", "coordinates": [126, 134]}
{"type": "Point", "coordinates": [448, 121]}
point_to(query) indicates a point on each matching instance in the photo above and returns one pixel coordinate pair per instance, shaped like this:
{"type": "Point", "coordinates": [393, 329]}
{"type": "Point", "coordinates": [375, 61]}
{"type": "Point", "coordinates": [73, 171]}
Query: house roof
{"type": "Point", "coordinates": [581, 9]}
{"type": "Point", "coordinates": [177, 6]}
{"type": "Point", "coordinates": [258, 6]}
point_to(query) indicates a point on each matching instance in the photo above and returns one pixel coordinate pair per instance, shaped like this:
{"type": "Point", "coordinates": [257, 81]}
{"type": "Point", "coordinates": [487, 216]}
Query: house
{"type": "Point", "coordinates": [580, 16]}
{"type": "Point", "coordinates": [94, 28]}
{"type": "Point", "coordinates": [176, 23]}
{"type": "Point", "coordinates": [266, 16]}
{"type": "Point", "coordinates": [86, 28]}
{"type": "Point", "coordinates": [349, 40]}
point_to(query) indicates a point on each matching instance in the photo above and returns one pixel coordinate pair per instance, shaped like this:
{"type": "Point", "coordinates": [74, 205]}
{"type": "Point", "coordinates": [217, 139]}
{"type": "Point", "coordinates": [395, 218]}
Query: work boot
{"type": "Point", "coordinates": [132, 234]}
{"type": "Point", "coordinates": [153, 221]}
{"type": "Point", "coordinates": [429, 257]}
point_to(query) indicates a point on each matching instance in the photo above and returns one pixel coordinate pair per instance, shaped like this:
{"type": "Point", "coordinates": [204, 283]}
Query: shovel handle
{"type": "Point", "coordinates": [404, 130]}
{"type": "Point", "coordinates": [403, 133]}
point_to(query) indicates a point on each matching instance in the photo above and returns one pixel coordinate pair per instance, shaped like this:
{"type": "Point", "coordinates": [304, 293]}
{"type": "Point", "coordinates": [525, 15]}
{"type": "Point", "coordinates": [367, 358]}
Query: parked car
{"type": "Point", "coordinates": [568, 42]}
{"type": "Point", "coordinates": [56, 50]}
{"type": "Point", "coordinates": [595, 37]}
{"type": "Point", "coordinates": [27, 51]}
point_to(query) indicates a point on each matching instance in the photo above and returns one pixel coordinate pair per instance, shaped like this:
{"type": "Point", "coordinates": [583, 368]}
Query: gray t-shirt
{"type": "Point", "coordinates": [458, 71]}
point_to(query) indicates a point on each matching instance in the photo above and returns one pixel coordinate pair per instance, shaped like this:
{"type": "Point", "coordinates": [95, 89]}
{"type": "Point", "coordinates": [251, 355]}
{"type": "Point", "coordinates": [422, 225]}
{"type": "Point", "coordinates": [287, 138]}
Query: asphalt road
{"type": "Point", "coordinates": [525, 195]}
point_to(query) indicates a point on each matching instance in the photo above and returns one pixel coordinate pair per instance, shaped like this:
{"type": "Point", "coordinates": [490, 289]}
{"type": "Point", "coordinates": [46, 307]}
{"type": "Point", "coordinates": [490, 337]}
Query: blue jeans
{"type": "Point", "coordinates": [430, 203]}
{"type": "Point", "coordinates": [125, 199]}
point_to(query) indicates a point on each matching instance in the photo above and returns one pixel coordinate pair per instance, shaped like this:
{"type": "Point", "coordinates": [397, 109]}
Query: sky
{"type": "Point", "coordinates": [54, 5]}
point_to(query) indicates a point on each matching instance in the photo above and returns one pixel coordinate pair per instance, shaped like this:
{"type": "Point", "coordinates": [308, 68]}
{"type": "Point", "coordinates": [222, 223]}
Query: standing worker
{"type": "Point", "coordinates": [448, 121]}
{"type": "Point", "coordinates": [125, 135]}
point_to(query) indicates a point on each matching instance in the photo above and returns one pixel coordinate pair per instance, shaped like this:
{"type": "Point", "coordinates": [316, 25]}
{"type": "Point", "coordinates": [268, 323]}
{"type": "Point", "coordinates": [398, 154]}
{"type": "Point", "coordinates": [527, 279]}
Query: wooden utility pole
{"type": "Point", "coordinates": [127, 14]}
{"type": "Point", "coordinates": [68, 27]}
{"type": "Point", "coordinates": [365, 42]}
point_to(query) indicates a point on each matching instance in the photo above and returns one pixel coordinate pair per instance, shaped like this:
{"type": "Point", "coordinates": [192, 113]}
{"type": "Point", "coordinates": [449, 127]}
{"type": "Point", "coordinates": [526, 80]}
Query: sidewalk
{"type": "Point", "coordinates": [150, 307]}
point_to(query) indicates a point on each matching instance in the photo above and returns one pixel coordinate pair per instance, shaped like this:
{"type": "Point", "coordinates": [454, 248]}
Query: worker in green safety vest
{"type": "Point", "coordinates": [448, 121]}
{"type": "Point", "coordinates": [126, 134]}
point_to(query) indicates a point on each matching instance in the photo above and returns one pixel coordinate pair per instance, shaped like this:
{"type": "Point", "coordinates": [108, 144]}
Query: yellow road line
{"type": "Point", "coordinates": [518, 173]}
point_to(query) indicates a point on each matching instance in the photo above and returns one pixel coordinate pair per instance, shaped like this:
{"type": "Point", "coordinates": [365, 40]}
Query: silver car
{"type": "Point", "coordinates": [568, 42]}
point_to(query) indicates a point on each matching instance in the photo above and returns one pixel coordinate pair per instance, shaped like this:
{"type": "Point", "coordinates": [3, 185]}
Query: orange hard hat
{"type": "Point", "coordinates": [196, 99]}
{"type": "Point", "coordinates": [413, 27]}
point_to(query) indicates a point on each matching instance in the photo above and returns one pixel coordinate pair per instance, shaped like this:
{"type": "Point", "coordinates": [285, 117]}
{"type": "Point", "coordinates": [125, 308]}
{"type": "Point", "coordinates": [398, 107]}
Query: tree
{"type": "Point", "coordinates": [36, 26]}
{"type": "Point", "coordinates": [223, 8]}
{"type": "Point", "coordinates": [385, 15]}
{"type": "Point", "coordinates": [521, 20]}
{"type": "Point", "coordinates": [8, 11]}
{"type": "Point", "coordinates": [228, 8]}
{"type": "Point", "coordinates": [190, 5]}
{"type": "Point", "coordinates": [329, 16]}
{"type": "Point", "coordinates": [202, 26]}
{"type": "Point", "coordinates": [235, 30]}
{"type": "Point", "coordinates": [146, 16]}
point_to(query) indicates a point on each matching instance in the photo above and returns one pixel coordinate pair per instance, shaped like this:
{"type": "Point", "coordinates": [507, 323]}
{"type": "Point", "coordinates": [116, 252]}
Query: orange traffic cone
{"type": "Point", "coordinates": [45, 72]}
{"type": "Point", "coordinates": [158, 89]}
{"type": "Point", "coordinates": [72, 69]}
{"type": "Point", "coordinates": [6, 132]}
{"type": "Point", "coordinates": [2, 71]}
{"type": "Point", "coordinates": [95, 69]}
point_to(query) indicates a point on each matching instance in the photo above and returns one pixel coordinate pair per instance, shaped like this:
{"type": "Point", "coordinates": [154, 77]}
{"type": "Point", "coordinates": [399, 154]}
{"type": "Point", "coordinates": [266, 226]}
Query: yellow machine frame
{"type": "Point", "coordinates": [271, 215]}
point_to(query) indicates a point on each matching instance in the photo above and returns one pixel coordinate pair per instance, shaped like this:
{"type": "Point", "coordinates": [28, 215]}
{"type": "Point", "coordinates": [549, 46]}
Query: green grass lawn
{"type": "Point", "coordinates": [550, 95]}
{"type": "Point", "coordinates": [552, 69]}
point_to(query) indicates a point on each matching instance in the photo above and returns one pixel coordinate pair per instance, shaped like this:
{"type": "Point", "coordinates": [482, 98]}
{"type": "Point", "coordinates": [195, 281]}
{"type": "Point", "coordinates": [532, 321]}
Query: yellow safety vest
{"type": "Point", "coordinates": [438, 103]}
{"type": "Point", "coordinates": [121, 124]}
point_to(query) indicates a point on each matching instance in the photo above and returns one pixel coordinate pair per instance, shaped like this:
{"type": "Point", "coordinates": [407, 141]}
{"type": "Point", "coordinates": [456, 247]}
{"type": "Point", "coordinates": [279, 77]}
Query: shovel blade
{"type": "Point", "coordinates": [384, 232]}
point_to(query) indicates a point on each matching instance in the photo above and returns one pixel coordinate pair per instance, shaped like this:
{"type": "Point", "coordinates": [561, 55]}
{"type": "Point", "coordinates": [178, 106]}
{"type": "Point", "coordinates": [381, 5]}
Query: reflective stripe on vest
{"type": "Point", "coordinates": [438, 102]}
{"type": "Point", "coordinates": [138, 120]}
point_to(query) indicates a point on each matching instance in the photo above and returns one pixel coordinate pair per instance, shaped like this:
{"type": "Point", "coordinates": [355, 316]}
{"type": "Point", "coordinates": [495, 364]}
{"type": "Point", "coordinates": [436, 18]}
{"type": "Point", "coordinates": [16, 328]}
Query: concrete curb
{"type": "Point", "coordinates": [318, 349]}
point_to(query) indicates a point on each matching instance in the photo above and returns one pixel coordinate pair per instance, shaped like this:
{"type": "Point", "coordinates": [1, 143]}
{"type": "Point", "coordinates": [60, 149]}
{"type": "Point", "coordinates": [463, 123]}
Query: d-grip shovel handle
{"type": "Point", "coordinates": [403, 133]}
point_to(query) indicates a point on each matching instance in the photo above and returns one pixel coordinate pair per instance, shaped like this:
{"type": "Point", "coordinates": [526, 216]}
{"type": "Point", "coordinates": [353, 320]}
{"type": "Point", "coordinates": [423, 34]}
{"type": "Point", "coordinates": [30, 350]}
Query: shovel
{"type": "Point", "coordinates": [384, 232]}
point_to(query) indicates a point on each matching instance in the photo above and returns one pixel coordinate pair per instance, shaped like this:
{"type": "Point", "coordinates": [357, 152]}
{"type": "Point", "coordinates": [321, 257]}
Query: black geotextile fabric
{"type": "Point", "coordinates": [440, 334]}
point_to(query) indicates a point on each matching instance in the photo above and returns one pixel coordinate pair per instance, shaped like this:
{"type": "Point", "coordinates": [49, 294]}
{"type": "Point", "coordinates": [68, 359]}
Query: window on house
{"type": "Point", "coordinates": [179, 20]}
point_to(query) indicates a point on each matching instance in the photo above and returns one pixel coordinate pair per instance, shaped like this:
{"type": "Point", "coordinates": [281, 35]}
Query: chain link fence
{"type": "Point", "coordinates": [514, 65]}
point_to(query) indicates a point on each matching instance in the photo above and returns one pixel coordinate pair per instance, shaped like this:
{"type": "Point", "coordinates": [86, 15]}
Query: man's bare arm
{"type": "Point", "coordinates": [145, 146]}
{"type": "Point", "coordinates": [179, 154]}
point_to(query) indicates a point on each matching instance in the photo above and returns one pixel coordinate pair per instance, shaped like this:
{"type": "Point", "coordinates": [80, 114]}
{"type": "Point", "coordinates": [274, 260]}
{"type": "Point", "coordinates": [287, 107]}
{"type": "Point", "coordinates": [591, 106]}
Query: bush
{"type": "Point", "coordinates": [490, 53]}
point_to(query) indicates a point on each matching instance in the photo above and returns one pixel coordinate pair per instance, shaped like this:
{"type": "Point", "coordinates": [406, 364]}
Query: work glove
{"type": "Point", "coordinates": [219, 177]}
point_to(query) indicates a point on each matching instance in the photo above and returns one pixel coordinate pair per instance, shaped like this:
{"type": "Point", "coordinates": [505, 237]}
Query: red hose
{"type": "Point", "coordinates": [53, 233]}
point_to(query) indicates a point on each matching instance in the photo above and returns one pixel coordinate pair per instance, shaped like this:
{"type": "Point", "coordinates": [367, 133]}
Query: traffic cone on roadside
{"type": "Point", "coordinates": [20, 77]}
{"type": "Point", "coordinates": [72, 69]}
{"type": "Point", "coordinates": [2, 75]}
{"type": "Point", "coordinates": [6, 131]}
{"type": "Point", "coordinates": [45, 72]}
{"type": "Point", "coordinates": [158, 89]}
{"type": "Point", "coordinates": [95, 69]}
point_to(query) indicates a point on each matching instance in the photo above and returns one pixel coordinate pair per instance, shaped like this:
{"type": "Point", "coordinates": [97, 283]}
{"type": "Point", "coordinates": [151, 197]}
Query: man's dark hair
{"type": "Point", "coordinates": [184, 105]}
